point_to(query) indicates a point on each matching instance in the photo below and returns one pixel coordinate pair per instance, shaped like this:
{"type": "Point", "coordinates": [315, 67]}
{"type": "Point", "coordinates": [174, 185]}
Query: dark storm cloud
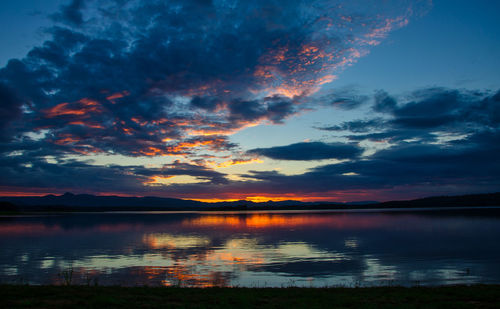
{"type": "Point", "coordinates": [440, 138]}
{"type": "Point", "coordinates": [309, 151]}
{"type": "Point", "coordinates": [163, 78]}
{"type": "Point", "coordinates": [357, 126]}
{"type": "Point", "coordinates": [124, 76]}
{"type": "Point", "coordinates": [10, 109]}
{"type": "Point", "coordinates": [384, 102]}
{"type": "Point", "coordinates": [447, 108]}
{"type": "Point", "coordinates": [181, 169]}
{"type": "Point", "coordinates": [474, 165]}
{"type": "Point", "coordinates": [345, 98]}
{"type": "Point", "coordinates": [469, 163]}
{"type": "Point", "coordinates": [71, 13]}
{"type": "Point", "coordinates": [85, 177]}
{"type": "Point", "coordinates": [274, 108]}
{"type": "Point", "coordinates": [206, 103]}
{"type": "Point", "coordinates": [425, 114]}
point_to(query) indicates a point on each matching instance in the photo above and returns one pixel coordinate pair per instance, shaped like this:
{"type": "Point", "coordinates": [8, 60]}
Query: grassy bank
{"type": "Point", "coordinates": [478, 296]}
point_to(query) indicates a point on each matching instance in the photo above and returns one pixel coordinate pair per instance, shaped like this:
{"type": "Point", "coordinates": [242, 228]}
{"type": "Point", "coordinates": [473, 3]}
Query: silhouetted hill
{"type": "Point", "coordinates": [69, 201]}
{"type": "Point", "coordinates": [87, 202]}
{"type": "Point", "coordinates": [488, 199]}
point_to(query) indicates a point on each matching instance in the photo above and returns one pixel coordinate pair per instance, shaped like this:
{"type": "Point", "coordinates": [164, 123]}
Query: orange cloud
{"type": "Point", "coordinates": [157, 180]}
{"type": "Point", "coordinates": [112, 98]}
{"type": "Point", "coordinates": [233, 162]}
{"type": "Point", "coordinates": [79, 108]}
{"type": "Point", "coordinates": [64, 139]}
{"type": "Point", "coordinates": [221, 129]}
{"type": "Point", "coordinates": [87, 124]}
{"type": "Point", "coordinates": [152, 151]}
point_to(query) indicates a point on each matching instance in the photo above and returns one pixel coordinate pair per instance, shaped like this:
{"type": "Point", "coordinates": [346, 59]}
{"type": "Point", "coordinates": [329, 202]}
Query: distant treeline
{"type": "Point", "coordinates": [84, 203]}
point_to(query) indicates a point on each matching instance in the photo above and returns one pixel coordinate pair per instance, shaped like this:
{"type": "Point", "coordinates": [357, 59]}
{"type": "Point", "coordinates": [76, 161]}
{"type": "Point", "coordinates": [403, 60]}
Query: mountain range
{"type": "Point", "coordinates": [87, 202]}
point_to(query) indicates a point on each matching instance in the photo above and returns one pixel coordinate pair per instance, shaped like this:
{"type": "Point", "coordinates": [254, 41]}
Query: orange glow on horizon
{"type": "Point", "coordinates": [156, 180]}
{"type": "Point", "coordinates": [266, 198]}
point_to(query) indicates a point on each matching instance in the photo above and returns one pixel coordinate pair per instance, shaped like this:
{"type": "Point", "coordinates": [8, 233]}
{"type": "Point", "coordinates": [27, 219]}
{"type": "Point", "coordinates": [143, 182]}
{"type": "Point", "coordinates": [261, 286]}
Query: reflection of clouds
{"type": "Point", "coordinates": [375, 271]}
{"type": "Point", "coordinates": [161, 240]}
{"type": "Point", "coordinates": [47, 263]}
{"type": "Point", "coordinates": [351, 242]}
{"type": "Point", "coordinates": [181, 276]}
{"type": "Point", "coordinates": [252, 249]}
{"type": "Point", "coordinates": [104, 262]}
{"type": "Point", "coordinates": [10, 270]}
{"type": "Point", "coordinates": [242, 252]}
{"type": "Point", "coordinates": [299, 250]}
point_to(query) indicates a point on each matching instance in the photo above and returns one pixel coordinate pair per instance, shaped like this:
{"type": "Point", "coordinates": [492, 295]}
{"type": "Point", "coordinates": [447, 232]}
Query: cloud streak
{"type": "Point", "coordinates": [309, 151]}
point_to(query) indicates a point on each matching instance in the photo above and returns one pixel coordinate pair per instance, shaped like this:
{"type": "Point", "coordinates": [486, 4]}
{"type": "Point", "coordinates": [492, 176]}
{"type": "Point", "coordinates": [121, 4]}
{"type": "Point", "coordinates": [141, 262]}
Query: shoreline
{"type": "Point", "coordinates": [460, 296]}
{"type": "Point", "coordinates": [248, 211]}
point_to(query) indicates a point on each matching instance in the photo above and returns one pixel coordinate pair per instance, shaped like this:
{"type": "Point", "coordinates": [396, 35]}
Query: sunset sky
{"type": "Point", "coordinates": [257, 100]}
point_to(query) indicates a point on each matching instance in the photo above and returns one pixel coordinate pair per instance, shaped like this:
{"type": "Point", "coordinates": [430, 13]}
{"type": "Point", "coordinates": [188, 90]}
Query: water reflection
{"type": "Point", "coordinates": [270, 220]}
{"type": "Point", "coordinates": [253, 249]}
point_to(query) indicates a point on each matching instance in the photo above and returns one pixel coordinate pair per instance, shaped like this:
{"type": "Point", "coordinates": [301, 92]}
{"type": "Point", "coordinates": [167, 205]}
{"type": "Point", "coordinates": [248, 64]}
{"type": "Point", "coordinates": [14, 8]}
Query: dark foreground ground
{"type": "Point", "coordinates": [478, 296]}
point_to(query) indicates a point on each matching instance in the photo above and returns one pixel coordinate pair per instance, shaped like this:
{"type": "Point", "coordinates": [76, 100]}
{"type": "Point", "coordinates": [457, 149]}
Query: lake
{"type": "Point", "coordinates": [253, 249]}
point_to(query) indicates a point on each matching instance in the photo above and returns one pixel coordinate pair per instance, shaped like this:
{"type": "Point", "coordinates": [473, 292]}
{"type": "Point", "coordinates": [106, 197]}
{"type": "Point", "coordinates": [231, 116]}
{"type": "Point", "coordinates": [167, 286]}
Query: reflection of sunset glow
{"type": "Point", "coordinates": [27, 229]}
{"type": "Point", "coordinates": [210, 248]}
{"type": "Point", "coordinates": [256, 221]}
{"type": "Point", "coordinates": [181, 276]}
{"type": "Point", "coordinates": [184, 271]}
{"type": "Point", "coordinates": [161, 240]}
{"type": "Point", "coordinates": [269, 220]}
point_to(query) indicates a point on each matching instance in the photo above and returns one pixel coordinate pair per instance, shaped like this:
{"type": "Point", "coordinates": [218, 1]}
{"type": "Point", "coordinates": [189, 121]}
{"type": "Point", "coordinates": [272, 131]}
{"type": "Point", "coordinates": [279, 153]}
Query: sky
{"type": "Point", "coordinates": [257, 100]}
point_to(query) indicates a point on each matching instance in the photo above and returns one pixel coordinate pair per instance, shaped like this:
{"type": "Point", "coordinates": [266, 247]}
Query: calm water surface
{"type": "Point", "coordinates": [253, 248]}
